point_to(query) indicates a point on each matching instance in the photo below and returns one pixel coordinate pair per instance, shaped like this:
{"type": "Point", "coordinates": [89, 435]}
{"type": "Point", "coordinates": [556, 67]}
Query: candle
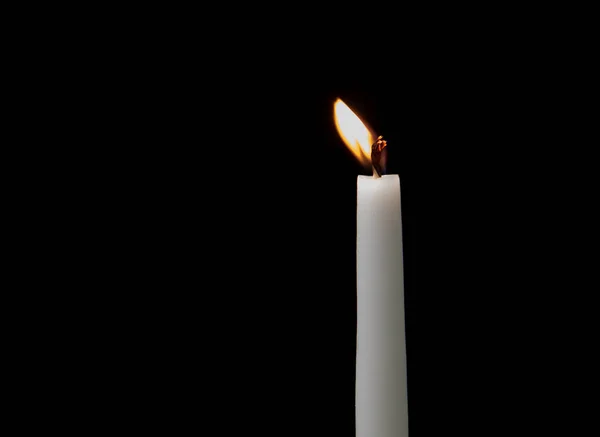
{"type": "Point", "coordinates": [381, 396]}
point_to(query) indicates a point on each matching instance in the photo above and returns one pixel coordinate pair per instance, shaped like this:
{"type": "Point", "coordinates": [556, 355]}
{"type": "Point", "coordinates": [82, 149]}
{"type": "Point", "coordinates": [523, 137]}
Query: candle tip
{"type": "Point", "coordinates": [378, 152]}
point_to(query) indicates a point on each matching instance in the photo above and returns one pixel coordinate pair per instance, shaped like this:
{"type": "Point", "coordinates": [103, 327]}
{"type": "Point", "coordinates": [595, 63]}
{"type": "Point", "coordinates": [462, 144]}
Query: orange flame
{"type": "Point", "coordinates": [355, 133]}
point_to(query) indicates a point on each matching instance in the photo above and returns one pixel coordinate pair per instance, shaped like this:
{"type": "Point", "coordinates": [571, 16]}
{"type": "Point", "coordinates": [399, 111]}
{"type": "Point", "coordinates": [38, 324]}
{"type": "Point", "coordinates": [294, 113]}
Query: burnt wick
{"type": "Point", "coordinates": [378, 156]}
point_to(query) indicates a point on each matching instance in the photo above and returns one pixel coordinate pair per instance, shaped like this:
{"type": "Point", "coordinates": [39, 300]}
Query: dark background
{"type": "Point", "coordinates": [199, 216]}
{"type": "Point", "coordinates": [238, 229]}
{"type": "Point", "coordinates": [235, 233]}
{"type": "Point", "coordinates": [228, 238]}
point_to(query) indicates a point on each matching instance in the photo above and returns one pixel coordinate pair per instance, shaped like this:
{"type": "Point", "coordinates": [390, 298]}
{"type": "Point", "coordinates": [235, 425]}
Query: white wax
{"type": "Point", "coordinates": [381, 398]}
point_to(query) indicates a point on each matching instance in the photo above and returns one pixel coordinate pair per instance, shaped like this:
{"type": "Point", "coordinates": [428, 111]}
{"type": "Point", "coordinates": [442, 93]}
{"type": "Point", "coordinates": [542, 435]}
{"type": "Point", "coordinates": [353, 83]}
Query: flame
{"type": "Point", "coordinates": [355, 133]}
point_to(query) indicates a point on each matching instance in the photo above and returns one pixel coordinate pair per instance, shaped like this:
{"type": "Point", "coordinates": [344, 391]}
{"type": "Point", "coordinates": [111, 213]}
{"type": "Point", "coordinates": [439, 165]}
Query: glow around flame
{"type": "Point", "coordinates": [355, 133]}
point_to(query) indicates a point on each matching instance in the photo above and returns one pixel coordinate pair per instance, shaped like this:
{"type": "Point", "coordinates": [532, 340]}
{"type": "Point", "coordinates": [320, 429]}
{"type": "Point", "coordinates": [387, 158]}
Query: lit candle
{"type": "Point", "coordinates": [381, 398]}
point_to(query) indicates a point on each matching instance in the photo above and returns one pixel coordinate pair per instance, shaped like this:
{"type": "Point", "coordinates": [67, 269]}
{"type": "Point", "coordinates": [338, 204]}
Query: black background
{"type": "Point", "coordinates": [249, 209]}
{"type": "Point", "coordinates": [193, 223]}
{"type": "Point", "coordinates": [236, 236]}
{"type": "Point", "coordinates": [235, 230]}
{"type": "Point", "coordinates": [225, 206]}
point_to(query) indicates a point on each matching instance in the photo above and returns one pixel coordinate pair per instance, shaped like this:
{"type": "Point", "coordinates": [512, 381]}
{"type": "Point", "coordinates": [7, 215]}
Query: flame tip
{"type": "Point", "coordinates": [357, 136]}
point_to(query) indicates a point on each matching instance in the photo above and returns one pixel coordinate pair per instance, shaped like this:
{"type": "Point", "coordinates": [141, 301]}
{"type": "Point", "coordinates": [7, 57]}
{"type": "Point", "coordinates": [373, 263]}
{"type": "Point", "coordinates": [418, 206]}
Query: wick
{"type": "Point", "coordinates": [377, 157]}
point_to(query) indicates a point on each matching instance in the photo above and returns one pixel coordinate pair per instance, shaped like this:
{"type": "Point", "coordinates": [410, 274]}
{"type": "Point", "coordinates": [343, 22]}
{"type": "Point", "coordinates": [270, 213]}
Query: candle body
{"type": "Point", "coordinates": [381, 395]}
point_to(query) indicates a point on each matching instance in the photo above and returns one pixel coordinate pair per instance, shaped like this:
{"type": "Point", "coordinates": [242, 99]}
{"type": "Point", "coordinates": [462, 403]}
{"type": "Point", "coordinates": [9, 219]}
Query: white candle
{"type": "Point", "coordinates": [381, 395]}
{"type": "Point", "coordinates": [381, 398]}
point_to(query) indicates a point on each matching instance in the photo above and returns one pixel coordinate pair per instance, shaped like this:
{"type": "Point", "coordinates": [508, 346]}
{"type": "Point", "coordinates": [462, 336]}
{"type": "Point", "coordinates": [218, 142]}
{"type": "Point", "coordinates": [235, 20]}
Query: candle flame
{"type": "Point", "coordinates": [357, 136]}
